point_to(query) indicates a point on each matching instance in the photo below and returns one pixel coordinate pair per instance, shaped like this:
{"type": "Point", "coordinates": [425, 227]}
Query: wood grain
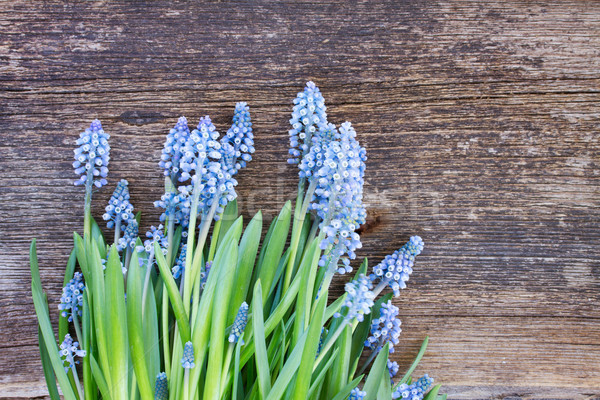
{"type": "Point", "coordinates": [481, 121]}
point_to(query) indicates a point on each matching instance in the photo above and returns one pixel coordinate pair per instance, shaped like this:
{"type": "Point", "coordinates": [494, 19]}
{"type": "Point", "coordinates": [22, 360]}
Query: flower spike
{"type": "Point", "coordinates": [92, 156]}
{"type": "Point", "coordinates": [71, 301]}
{"type": "Point", "coordinates": [119, 209]}
{"type": "Point", "coordinates": [241, 319]}
{"type": "Point", "coordinates": [187, 361]}
{"type": "Point", "coordinates": [161, 388]}
{"type": "Point", "coordinates": [307, 116]}
{"type": "Point", "coordinates": [395, 269]}
{"type": "Point", "coordinates": [385, 329]}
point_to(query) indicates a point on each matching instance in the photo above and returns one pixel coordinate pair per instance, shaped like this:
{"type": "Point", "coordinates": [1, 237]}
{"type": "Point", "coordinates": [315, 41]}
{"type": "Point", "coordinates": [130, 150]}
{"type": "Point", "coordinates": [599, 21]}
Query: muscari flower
{"type": "Point", "coordinates": [359, 299]}
{"type": "Point", "coordinates": [337, 199]}
{"type": "Point", "coordinates": [357, 394]}
{"type": "Point", "coordinates": [239, 324]}
{"type": "Point", "coordinates": [308, 115]}
{"type": "Point", "coordinates": [119, 209]}
{"type": "Point", "coordinates": [179, 266]}
{"type": "Point", "coordinates": [393, 368]}
{"type": "Point", "coordinates": [130, 236]}
{"type": "Point", "coordinates": [415, 391]}
{"type": "Point", "coordinates": [187, 361]}
{"type": "Point", "coordinates": [173, 204]}
{"type": "Point", "coordinates": [68, 351]}
{"type": "Point", "coordinates": [71, 300]}
{"type": "Point", "coordinates": [204, 274]}
{"type": "Point", "coordinates": [238, 142]}
{"type": "Point", "coordinates": [155, 235]}
{"type": "Point", "coordinates": [385, 329]}
{"type": "Point", "coordinates": [395, 269]}
{"type": "Point", "coordinates": [173, 149]}
{"type": "Point", "coordinates": [92, 155]}
{"type": "Point", "coordinates": [161, 387]}
{"type": "Point", "coordinates": [322, 338]}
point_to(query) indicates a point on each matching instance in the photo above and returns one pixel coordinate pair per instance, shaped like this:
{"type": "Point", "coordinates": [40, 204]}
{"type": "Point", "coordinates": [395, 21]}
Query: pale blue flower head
{"type": "Point", "coordinates": [68, 351]}
{"type": "Point", "coordinates": [393, 368]}
{"type": "Point", "coordinates": [385, 329]}
{"type": "Point", "coordinates": [201, 146]}
{"type": "Point", "coordinates": [119, 209]}
{"type": "Point", "coordinates": [130, 235]}
{"type": "Point", "coordinates": [239, 324]}
{"type": "Point", "coordinates": [179, 266]}
{"type": "Point", "coordinates": [187, 361]}
{"type": "Point", "coordinates": [92, 155]}
{"type": "Point", "coordinates": [238, 142]}
{"type": "Point", "coordinates": [173, 149]}
{"type": "Point", "coordinates": [174, 205]}
{"type": "Point", "coordinates": [395, 269]}
{"type": "Point", "coordinates": [204, 274]}
{"type": "Point", "coordinates": [161, 387]}
{"type": "Point", "coordinates": [414, 391]}
{"type": "Point", "coordinates": [357, 394]}
{"type": "Point", "coordinates": [308, 115]}
{"type": "Point", "coordinates": [71, 301]}
{"type": "Point", "coordinates": [359, 299]}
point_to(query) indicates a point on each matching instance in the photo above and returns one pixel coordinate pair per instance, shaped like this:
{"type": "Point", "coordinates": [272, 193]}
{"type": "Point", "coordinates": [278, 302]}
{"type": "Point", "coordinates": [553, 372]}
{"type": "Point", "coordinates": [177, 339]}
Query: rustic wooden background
{"type": "Point", "coordinates": [481, 121]}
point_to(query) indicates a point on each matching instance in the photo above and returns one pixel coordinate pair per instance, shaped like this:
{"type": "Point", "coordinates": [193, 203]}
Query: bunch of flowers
{"type": "Point", "coordinates": [204, 308]}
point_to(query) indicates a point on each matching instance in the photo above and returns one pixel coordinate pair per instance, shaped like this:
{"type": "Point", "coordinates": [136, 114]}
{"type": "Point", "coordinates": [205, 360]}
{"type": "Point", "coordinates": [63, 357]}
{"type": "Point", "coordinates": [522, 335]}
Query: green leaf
{"type": "Point", "coordinates": [433, 393]}
{"type": "Point", "coordinates": [339, 375]}
{"type": "Point", "coordinates": [262, 361]}
{"type": "Point", "coordinates": [416, 361]}
{"type": "Point", "coordinates": [315, 386]}
{"type": "Point", "coordinates": [385, 388]}
{"type": "Point", "coordinates": [247, 255]}
{"type": "Point", "coordinates": [274, 249]}
{"type": "Point", "coordinates": [236, 369]}
{"type": "Point", "coordinates": [116, 319]}
{"type": "Point", "coordinates": [45, 326]}
{"type": "Point", "coordinates": [135, 328]}
{"type": "Point", "coordinates": [307, 271]}
{"type": "Point", "coordinates": [47, 367]}
{"type": "Point", "coordinates": [288, 372]}
{"type": "Point", "coordinates": [174, 297]}
{"type": "Point", "coordinates": [99, 377]}
{"type": "Point", "coordinates": [98, 237]}
{"type": "Point", "coordinates": [230, 214]}
{"type": "Point", "coordinates": [378, 371]}
{"type": "Point", "coordinates": [63, 322]}
{"type": "Point", "coordinates": [89, 384]}
{"type": "Point", "coordinates": [224, 264]}
{"type": "Point", "coordinates": [345, 392]}
{"type": "Point", "coordinates": [309, 352]}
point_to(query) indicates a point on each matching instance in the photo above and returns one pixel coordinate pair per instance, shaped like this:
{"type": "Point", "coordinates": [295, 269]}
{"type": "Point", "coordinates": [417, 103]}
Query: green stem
{"type": "Point", "coordinates": [77, 383]}
{"type": "Point", "coordinates": [165, 331]}
{"type": "Point", "coordinates": [77, 329]}
{"type": "Point", "coordinates": [225, 376]}
{"type": "Point", "coordinates": [331, 341]}
{"type": "Point", "coordinates": [366, 364]}
{"type": "Point", "coordinates": [117, 230]}
{"type": "Point", "coordinates": [147, 282]}
{"type": "Point", "coordinates": [87, 213]}
{"type": "Point", "coordinates": [170, 232]}
{"type": "Point", "coordinates": [186, 384]}
{"type": "Point", "coordinates": [215, 237]}
{"type": "Point", "coordinates": [187, 278]}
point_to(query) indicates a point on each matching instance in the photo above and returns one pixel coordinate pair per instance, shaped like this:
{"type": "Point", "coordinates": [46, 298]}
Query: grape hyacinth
{"type": "Point", "coordinates": [359, 299]}
{"type": "Point", "coordinates": [385, 329]}
{"type": "Point", "coordinates": [92, 156]}
{"type": "Point", "coordinates": [393, 368]}
{"type": "Point", "coordinates": [239, 139]}
{"type": "Point", "coordinates": [173, 149]}
{"type": "Point", "coordinates": [241, 319]}
{"type": "Point", "coordinates": [172, 203]}
{"type": "Point", "coordinates": [179, 266]}
{"type": "Point", "coordinates": [161, 387]}
{"type": "Point", "coordinates": [71, 300]}
{"type": "Point", "coordinates": [395, 269]}
{"type": "Point", "coordinates": [130, 235]}
{"type": "Point", "coordinates": [414, 391]}
{"type": "Point", "coordinates": [357, 394]}
{"type": "Point", "coordinates": [307, 116]}
{"type": "Point", "coordinates": [204, 274]}
{"type": "Point", "coordinates": [68, 351]}
{"type": "Point", "coordinates": [187, 361]}
{"type": "Point", "coordinates": [119, 209]}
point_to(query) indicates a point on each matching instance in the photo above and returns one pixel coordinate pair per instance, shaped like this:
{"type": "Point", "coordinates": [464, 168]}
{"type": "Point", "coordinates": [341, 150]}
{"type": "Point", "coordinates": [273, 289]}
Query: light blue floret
{"type": "Point", "coordinates": [187, 361]}
{"type": "Point", "coordinates": [161, 387]}
{"type": "Point", "coordinates": [92, 155]}
{"type": "Point", "coordinates": [71, 300]}
{"type": "Point", "coordinates": [241, 319]}
{"type": "Point", "coordinates": [119, 209]}
{"type": "Point", "coordinates": [357, 394]}
{"type": "Point", "coordinates": [130, 236]}
{"type": "Point", "coordinates": [395, 269]}
{"type": "Point", "coordinates": [173, 148]}
{"type": "Point", "coordinates": [359, 299]}
{"type": "Point", "coordinates": [179, 266]}
{"type": "Point", "coordinates": [308, 115]}
{"type": "Point", "coordinates": [385, 329]}
{"type": "Point", "coordinates": [68, 351]}
{"type": "Point", "coordinates": [415, 391]}
{"type": "Point", "coordinates": [238, 142]}
{"type": "Point", "coordinates": [393, 368]}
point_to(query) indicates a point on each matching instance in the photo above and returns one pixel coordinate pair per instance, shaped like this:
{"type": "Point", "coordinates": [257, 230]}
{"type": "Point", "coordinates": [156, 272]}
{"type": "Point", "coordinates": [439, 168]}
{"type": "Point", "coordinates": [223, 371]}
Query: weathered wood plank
{"type": "Point", "coordinates": [481, 122]}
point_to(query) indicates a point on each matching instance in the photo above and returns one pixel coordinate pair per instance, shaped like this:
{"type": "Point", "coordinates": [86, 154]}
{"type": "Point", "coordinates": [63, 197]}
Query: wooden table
{"type": "Point", "coordinates": [481, 120]}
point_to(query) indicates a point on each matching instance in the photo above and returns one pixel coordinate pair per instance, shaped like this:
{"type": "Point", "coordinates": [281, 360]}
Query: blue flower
{"type": "Point", "coordinates": [161, 387]}
{"type": "Point", "coordinates": [187, 361]}
{"type": "Point", "coordinates": [200, 145]}
{"type": "Point", "coordinates": [155, 235]}
{"type": "Point", "coordinates": [173, 204]}
{"type": "Point", "coordinates": [307, 116]}
{"type": "Point", "coordinates": [385, 329]}
{"type": "Point", "coordinates": [415, 391]}
{"type": "Point", "coordinates": [395, 269]}
{"type": "Point", "coordinates": [204, 274]}
{"type": "Point", "coordinates": [357, 394]}
{"type": "Point", "coordinates": [324, 333]}
{"type": "Point", "coordinates": [179, 266]}
{"type": "Point", "coordinates": [314, 158]}
{"type": "Point", "coordinates": [92, 155]}
{"type": "Point", "coordinates": [239, 324]}
{"type": "Point", "coordinates": [71, 300]}
{"type": "Point", "coordinates": [130, 236]}
{"type": "Point", "coordinates": [393, 368]}
{"type": "Point", "coordinates": [173, 149]}
{"type": "Point", "coordinates": [338, 198]}
{"type": "Point", "coordinates": [119, 209]}
{"type": "Point", "coordinates": [68, 351]}
{"type": "Point", "coordinates": [359, 299]}
{"type": "Point", "coordinates": [238, 143]}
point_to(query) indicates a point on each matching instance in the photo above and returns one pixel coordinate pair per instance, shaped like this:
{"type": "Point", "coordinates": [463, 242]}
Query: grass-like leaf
{"type": "Point", "coordinates": [63, 322]}
{"type": "Point", "coordinates": [47, 367]}
{"type": "Point", "coordinates": [433, 393]}
{"type": "Point", "coordinates": [99, 377]}
{"type": "Point", "coordinates": [415, 362]}
{"type": "Point", "coordinates": [262, 361]}
{"type": "Point", "coordinates": [378, 372]}
{"type": "Point", "coordinates": [345, 392]}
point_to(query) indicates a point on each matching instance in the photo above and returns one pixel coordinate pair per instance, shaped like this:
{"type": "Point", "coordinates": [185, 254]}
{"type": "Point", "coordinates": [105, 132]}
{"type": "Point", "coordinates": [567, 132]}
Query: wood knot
{"type": "Point", "coordinates": [140, 117]}
{"type": "Point", "coordinates": [373, 221]}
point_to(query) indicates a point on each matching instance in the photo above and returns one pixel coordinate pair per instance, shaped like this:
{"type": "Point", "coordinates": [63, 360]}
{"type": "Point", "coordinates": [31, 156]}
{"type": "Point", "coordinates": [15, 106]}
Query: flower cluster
{"type": "Point", "coordinates": [119, 209]}
{"type": "Point", "coordinates": [307, 116]}
{"type": "Point", "coordinates": [172, 151]}
{"type": "Point", "coordinates": [71, 300]}
{"type": "Point", "coordinates": [173, 204]}
{"type": "Point", "coordinates": [238, 142]}
{"type": "Point", "coordinates": [130, 236]}
{"type": "Point", "coordinates": [187, 361]}
{"type": "Point", "coordinates": [357, 394]}
{"type": "Point", "coordinates": [241, 319]}
{"type": "Point", "coordinates": [385, 329]}
{"type": "Point", "coordinates": [359, 299]}
{"type": "Point", "coordinates": [395, 269]}
{"type": "Point", "coordinates": [393, 368]}
{"type": "Point", "coordinates": [414, 391]}
{"type": "Point", "coordinates": [68, 351]}
{"type": "Point", "coordinates": [179, 266]}
{"type": "Point", "coordinates": [204, 274]}
{"type": "Point", "coordinates": [92, 156]}
{"type": "Point", "coordinates": [161, 387]}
